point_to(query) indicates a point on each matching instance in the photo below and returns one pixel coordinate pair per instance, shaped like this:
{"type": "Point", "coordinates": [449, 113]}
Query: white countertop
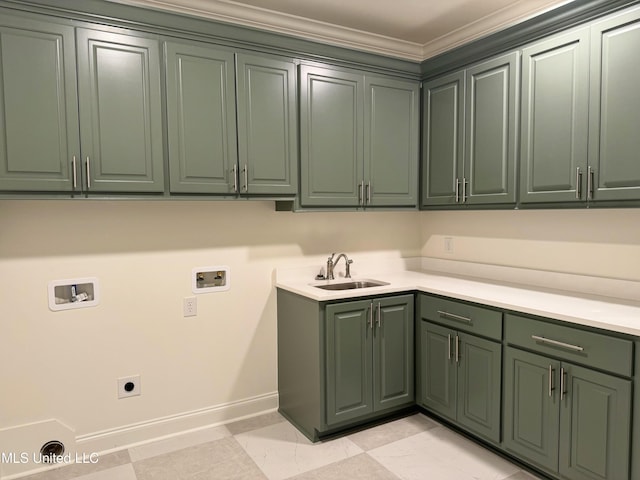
{"type": "Point", "coordinates": [608, 313]}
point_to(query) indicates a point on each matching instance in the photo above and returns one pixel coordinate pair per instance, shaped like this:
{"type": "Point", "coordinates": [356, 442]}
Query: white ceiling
{"type": "Point", "coordinates": [410, 29]}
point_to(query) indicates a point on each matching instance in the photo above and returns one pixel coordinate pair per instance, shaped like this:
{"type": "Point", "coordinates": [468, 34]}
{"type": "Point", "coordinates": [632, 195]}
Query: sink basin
{"type": "Point", "coordinates": [351, 285]}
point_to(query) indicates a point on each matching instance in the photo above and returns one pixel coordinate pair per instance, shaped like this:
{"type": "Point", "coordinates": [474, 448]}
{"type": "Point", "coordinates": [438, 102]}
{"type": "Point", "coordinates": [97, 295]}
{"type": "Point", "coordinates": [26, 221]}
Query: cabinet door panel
{"type": "Point", "coordinates": [443, 138]}
{"type": "Point", "coordinates": [595, 427]}
{"type": "Point", "coordinates": [391, 141]}
{"type": "Point", "coordinates": [331, 132]}
{"type": "Point", "coordinates": [479, 386]}
{"type": "Point", "coordinates": [39, 120]}
{"type": "Point", "coordinates": [267, 125]}
{"type": "Point", "coordinates": [349, 353]}
{"type": "Point", "coordinates": [490, 131]}
{"type": "Point", "coordinates": [555, 96]}
{"type": "Point", "coordinates": [614, 142]}
{"type": "Point", "coordinates": [393, 361]}
{"type": "Point", "coordinates": [438, 369]}
{"type": "Point", "coordinates": [120, 111]}
{"type": "Point", "coordinates": [531, 413]}
{"type": "Point", "coordinates": [201, 119]}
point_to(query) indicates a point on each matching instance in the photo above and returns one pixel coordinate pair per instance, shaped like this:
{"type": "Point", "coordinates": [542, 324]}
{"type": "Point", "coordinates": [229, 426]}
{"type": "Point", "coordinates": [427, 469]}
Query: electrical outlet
{"type": "Point", "coordinates": [448, 244]}
{"type": "Point", "coordinates": [190, 307]}
{"type": "Point", "coordinates": [129, 386]}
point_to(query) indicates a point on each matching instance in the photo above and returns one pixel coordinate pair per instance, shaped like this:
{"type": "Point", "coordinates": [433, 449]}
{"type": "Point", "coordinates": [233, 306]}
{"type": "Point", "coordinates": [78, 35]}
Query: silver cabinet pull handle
{"type": "Point", "coordinates": [371, 315]}
{"type": "Point", "coordinates": [449, 346]}
{"type": "Point", "coordinates": [88, 173]}
{"type": "Point", "coordinates": [235, 178]}
{"type": "Point", "coordinates": [464, 190]}
{"type": "Point", "coordinates": [361, 193]}
{"type": "Point", "coordinates": [568, 346]}
{"type": "Point", "coordinates": [245, 170]}
{"type": "Point", "coordinates": [379, 316]}
{"type": "Point", "coordinates": [551, 389]}
{"type": "Point", "coordinates": [368, 193]}
{"type": "Point", "coordinates": [578, 183]}
{"type": "Point", "coordinates": [74, 173]}
{"type": "Point", "coordinates": [453, 316]}
{"type": "Point", "coordinates": [457, 349]}
{"type": "Point", "coordinates": [590, 182]}
{"type": "Point", "coordinates": [563, 374]}
{"type": "Point", "coordinates": [457, 190]}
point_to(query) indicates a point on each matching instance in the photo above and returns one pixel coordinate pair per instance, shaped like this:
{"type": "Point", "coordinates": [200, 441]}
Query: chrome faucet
{"type": "Point", "coordinates": [331, 264]}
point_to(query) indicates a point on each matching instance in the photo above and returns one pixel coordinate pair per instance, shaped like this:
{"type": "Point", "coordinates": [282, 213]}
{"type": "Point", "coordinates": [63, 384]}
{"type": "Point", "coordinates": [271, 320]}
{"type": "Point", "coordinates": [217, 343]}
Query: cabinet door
{"type": "Point", "coordinates": [267, 125]}
{"type": "Point", "coordinates": [38, 105]}
{"type": "Point", "coordinates": [331, 137]}
{"type": "Point", "coordinates": [595, 425]}
{"type": "Point", "coordinates": [438, 369]}
{"type": "Point", "coordinates": [120, 112]}
{"type": "Point", "coordinates": [393, 359]}
{"type": "Point", "coordinates": [555, 105]}
{"type": "Point", "coordinates": [479, 385]}
{"type": "Point", "coordinates": [391, 142]}
{"type": "Point", "coordinates": [443, 139]}
{"type": "Point", "coordinates": [531, 407]}
{"type": "Point", "coordinates": [349, 353]}
{"type": "Point", "coordinates": [614, 117]}
{"type": "Point", "coordinates": [490, 131]}
{"type": "Point", "coordinates": [201, 119]}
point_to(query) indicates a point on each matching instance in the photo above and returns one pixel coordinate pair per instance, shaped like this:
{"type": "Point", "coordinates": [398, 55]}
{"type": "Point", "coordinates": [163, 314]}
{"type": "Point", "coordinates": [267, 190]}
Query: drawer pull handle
{"type": "Point", "coordinates": [452, 316]}
{"type": "Point", "coordinates": [568, 346]}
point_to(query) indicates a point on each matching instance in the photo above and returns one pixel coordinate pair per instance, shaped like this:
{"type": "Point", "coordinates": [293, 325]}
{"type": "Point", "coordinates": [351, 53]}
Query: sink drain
{"type": "Point", "coordinates": [50, 450]}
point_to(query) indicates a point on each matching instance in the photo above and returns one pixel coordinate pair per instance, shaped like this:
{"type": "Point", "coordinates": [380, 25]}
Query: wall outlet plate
{"type": "Point", "coordinates": [190, 307]}
{"type": "Point", "coordinates": [129, 386]}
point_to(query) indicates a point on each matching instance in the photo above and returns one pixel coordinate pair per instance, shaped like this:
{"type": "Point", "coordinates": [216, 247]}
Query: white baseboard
{"type": "Point", "coordinates": [112, 440]}
{"type": "Point", "coordinates": [120, 438]}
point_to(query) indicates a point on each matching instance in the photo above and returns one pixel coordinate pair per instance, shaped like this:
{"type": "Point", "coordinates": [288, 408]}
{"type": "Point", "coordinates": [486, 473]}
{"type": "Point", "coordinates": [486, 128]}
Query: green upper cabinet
{"type": "Point", "coordinates": [391, 142]}
{"type": "Point", "coordinates": [207, 154]}
{"type": "Point", "coordinates": [614, 143]}
{"type": "Point", "coordinates": [331, 133]}
{"type": "Point", "coordinates": [120, 112]}
{"type": "Point", "coordinates": [490, 131]}
{"type": "Point", "coordinates": [38, 106]}
{"type": "Point", "coordinates": [443, 139]}
{"type": "Point", "coordinates": [201, 119]}
{"type": "Point", "coordinates": [359, 139]}
{"type": "Point", "coordinates": [554, 119]}
{"type": "Point", "coordinates": [469, 136]}
{"type": "Point", "coordinates": [267, 125]}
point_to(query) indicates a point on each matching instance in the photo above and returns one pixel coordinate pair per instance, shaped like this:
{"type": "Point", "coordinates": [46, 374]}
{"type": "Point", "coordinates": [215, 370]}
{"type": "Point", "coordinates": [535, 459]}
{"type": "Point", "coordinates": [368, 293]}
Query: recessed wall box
{"type": "Point", "coordinates": [73, 293]}
{"type": "Point", "coordinates": [210, 279]}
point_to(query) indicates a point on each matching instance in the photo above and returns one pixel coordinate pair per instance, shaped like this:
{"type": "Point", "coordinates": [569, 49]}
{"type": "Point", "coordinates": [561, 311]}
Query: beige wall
{"type": "Point", "coordinates": [64, 364]}
{"type": "Point", "coordinates": [598, 242]}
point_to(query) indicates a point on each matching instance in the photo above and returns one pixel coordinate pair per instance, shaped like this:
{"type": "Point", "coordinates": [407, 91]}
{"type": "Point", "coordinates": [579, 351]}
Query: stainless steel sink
{"type": "Point", "coordinates": [351, 285]}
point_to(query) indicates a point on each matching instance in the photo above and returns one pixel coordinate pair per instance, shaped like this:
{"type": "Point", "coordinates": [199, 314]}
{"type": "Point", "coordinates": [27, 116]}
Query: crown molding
{"type": "Point", "coordinates": [285, 24]}
{"type": "Point", "coordinates": [506, 17]}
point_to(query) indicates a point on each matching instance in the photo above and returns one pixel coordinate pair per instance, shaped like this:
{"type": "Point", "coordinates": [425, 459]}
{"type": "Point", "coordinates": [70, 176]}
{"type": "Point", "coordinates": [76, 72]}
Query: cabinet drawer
{"type": "Point", "coordinates": [470, 318]}
{"type": "Point", "coordinates": [568, 343]}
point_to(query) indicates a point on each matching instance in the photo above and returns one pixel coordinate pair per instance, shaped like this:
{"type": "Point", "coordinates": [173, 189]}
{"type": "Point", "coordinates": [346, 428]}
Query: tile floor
{"type": "Point", "coordinates": [268, 447]}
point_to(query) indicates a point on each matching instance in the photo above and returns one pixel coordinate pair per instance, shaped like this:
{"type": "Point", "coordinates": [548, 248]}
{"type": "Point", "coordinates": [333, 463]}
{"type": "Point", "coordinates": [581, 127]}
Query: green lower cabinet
{"type": "Point", "coordinates": [349, 356]}
{"type": "Point", "coordinates": [566, 419]}
{"type": "Point", "coordinates": [369, 357]}
{"type": "Point", "coordinates": [460, 378]}
{"type": "Point", "coordinates": [346, 363]}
